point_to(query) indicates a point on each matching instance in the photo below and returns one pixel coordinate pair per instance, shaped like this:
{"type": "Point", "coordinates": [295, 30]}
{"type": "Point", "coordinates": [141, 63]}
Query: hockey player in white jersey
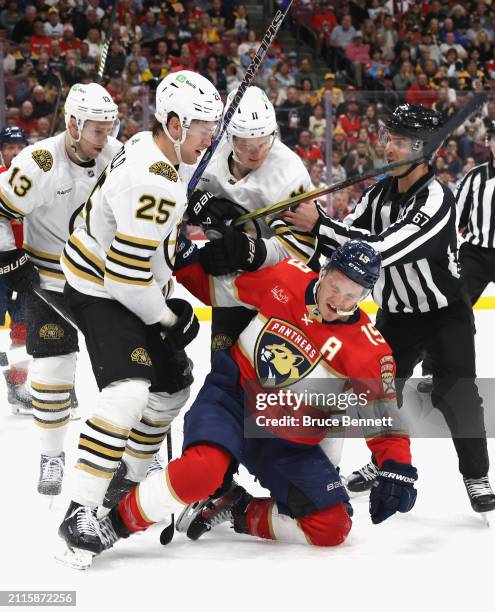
{"type": "Point", "coordinates": [251, 169]}
{"type": "Point", "coordinates": [118, 267]}
{"type": "Point", "coordinates": [46, 187]}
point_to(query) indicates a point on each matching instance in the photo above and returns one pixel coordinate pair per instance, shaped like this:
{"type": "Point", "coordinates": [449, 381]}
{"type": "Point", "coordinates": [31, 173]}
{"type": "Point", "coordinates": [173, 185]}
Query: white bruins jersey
{"type": "Point", "coordinates": [47, 190]}
{"type": "Point", "coordinates": [281, 176]}
{"type": "Point", "coordinates": [125, 250]}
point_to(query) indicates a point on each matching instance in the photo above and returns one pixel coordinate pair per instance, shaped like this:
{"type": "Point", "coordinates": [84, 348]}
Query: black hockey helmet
{"type": "Point", "coordinates": [358, 261]}
{"type": "Point", "coordinates": [12, 134]}
{"type": "Point", "coordinates": [414, 121]}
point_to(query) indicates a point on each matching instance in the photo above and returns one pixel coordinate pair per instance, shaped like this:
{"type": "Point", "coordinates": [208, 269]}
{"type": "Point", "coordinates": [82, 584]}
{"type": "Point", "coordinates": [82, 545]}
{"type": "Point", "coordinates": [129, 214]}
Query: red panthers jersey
{"type": "Point", "coordinates": [289, 345]}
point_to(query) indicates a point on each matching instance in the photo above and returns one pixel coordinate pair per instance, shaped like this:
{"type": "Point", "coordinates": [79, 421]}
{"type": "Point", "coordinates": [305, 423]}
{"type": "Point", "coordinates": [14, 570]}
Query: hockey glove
{"type": "Point", "coordinates": [393, 490]}
{"type": "Point", "coordinates": [234, 251]}
{"type": "Point", "coordinates": [185, 329]}
{"type": "Point", "coordinates": [17, 271]}
{"type": "Point", "coordinates": [208, 211]}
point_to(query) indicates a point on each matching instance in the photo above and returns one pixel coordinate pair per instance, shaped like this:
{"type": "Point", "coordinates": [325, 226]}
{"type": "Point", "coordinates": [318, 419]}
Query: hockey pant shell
{"type": "Point", "coordinates": [300, 477]}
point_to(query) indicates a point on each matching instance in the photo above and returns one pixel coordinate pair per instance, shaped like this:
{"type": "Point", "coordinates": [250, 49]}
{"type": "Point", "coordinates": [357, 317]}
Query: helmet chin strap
{"type": "Point", "coordinates": [73, 142]}
{"type": "Point", "coordinates": [177, 142]}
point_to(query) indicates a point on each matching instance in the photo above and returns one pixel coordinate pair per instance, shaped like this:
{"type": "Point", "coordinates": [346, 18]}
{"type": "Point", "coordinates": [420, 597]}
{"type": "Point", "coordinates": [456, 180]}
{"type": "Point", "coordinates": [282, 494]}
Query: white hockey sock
{"type": "Point", "coordinates": [147, 436]}
{"type": "Point", "coordinates": [104, 437]}
{"type": "Point", "coordinates": [52, 379]}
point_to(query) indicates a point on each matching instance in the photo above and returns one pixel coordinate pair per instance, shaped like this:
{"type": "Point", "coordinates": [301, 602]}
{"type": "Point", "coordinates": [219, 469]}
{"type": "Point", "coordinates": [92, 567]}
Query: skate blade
{"type": "Point", "coordinates": [187, 515]}
{"type": "Point", "coordinates": [20, 410]}
{"type": "Point", "coordinates": [485, 517]}
{"type": "Point", "coordinates": [76, 558]}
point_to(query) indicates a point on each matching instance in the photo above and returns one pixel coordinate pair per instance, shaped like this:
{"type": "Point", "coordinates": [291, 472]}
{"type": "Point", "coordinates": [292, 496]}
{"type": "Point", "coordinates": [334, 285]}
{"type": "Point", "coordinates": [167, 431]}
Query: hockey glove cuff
{"type": "Point", "coordinates": [234, 251]}
{"type": "Point", "coordinates": [17, 271]}
{"type": "Point", "coordinates": [393, 490]}
{"type": "Point", "coordinates": [186, 328]}
{"type": "Point", "coordinates": [208, 211]}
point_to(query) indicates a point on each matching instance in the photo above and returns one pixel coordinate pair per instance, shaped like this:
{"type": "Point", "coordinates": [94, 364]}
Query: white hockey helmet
{"type": "Point", "coordinates": [190, 96]}
{"type": "Point", "coordinates": [254, 117]}
{"type": "Point", "coordinates": [90, 102]}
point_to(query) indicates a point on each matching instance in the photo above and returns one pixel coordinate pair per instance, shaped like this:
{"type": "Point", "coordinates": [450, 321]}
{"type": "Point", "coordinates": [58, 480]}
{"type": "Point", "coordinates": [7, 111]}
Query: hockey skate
{"type": "Point", "coordinates": [81, 532]}
{"type": "Point", "coordinates": [481, 496]}
{"type": "Point", "coordinates": [118, 487]}
{"type": "Point", "coordinates": [51, 474]}
{"type": "Point", "coordinates": [198, 518]}
{"type": "Point", "coordinates": [362, 480]}
{"type": "Point", "coordinates": [18, 396]}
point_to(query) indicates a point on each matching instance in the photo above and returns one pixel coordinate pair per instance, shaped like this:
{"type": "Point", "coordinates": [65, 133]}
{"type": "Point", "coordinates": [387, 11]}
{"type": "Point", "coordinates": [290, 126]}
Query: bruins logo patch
{"type": "Point", "coordinates": [51, 331]}
{"type": "Point", "coordinates": [141, 356]}
{"type": "Point", "coordinates": [221, 342]}
{"type": "Point", "coordinates": [163, 169]}
{"type": "Point", "coordinates": [44, 159]}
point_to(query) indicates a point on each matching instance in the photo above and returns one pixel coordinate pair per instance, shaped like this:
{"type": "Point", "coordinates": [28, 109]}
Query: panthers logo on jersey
{"type": "Point", "coordinates": [44, 159]}
{"type": "Point", "coordinates": [162, 169]}
{"type": "Point", "coordinates": [283, 354]}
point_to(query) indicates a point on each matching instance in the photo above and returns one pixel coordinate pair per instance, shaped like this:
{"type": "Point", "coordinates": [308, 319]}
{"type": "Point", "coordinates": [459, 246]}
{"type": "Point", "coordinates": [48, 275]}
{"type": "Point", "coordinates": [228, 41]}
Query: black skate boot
{"type": "Point", "coordinates": [480, 494]}
{"type": "Point", "coordinates": [81, 531]}
{"type": "Point", "coordinates": [18, 396]}
{"type": "Point", "coordinates": [51, 474]}
{"type": "Point", "coordinates": [198, 518]}
{"type": "Point", "coordinates": [112, 529]}
{"type": "Point", "coordinates": [362, 480]}
{"type": "Point", "coordinates": [118, 487]}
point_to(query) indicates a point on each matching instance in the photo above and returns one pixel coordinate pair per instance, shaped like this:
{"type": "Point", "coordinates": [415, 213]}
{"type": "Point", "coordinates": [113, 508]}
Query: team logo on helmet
{"type": "Point", "coordinates": [44, 159]}
{"type": "Point", "coordinates": [141, 357]}
{"type": "Point", "coordinates": [283, 354]}
{"type": "Point", "coordinates": [162, 169]}
{"type": "Point", "coordinates": [51, 331]}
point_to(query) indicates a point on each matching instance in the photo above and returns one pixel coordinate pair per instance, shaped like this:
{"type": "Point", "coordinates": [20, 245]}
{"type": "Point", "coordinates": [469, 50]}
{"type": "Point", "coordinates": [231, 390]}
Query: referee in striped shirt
{"type": "Point", "coordinates": [411, 219]}
{"type": "Point", "coordinates": [476, 209]}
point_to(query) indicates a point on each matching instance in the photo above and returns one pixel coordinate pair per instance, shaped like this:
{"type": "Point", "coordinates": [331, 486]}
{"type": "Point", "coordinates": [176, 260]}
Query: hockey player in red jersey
{"type": "Point", "coordinates": [317, 319]}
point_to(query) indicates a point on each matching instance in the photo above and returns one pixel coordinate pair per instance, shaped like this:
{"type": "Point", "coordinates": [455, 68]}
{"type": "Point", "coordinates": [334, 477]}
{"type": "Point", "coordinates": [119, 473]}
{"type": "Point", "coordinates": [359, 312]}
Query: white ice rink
{"type": "Point", "coordinates": [439, 556]}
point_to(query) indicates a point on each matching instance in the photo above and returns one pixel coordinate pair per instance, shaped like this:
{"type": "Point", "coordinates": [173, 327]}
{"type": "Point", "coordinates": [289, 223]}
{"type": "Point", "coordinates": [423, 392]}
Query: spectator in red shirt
{"type": "Point", "coordinates": [324, 14]}
{"type": "Point", "coordinates": [350, 121]}
{"type": "Point", "coordinates": [307, 150]}
{"type": "Point", "coordinates": [26, 120]}
{"type": "Point", "coordinates": [421, 92]}
{"type": "Point", "coordinates": [69, 41]}
{"type": "Point", "coordinates": [39, 41]}
{"type": "Point", "coordinates": [199, 48]}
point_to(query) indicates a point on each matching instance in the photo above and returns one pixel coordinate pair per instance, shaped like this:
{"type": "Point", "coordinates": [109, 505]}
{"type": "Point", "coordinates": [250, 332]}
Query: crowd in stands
{"type": "Point", "coordinates": [355, 61]}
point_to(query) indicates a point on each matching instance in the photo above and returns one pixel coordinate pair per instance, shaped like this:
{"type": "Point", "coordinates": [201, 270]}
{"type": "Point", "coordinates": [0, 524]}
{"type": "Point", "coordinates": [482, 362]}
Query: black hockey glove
{"type": "Point", "coordinates": [187, 326]}
{"type": "Point", "coordinates": [393, 490]}
{"type": "Point", "coordinates": [234, 251]}
{"type": "Point", "coordinates": [17, 271]}
{"type": "Point", "coordinates": [208, 211]}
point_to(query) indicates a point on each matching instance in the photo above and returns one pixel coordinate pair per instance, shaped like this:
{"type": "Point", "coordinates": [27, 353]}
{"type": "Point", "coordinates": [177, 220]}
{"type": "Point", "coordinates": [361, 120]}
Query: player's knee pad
{"type": "Point", "coordinates": [328, 527]}
{"type": "Point", "coordinates": [199, 472]}
{"type": "Point", "coordinates": [54, 370]}
{"type": "Point", "coordinates": [122, 402]}
{"type": "Point", "coordinates": [165, 406]}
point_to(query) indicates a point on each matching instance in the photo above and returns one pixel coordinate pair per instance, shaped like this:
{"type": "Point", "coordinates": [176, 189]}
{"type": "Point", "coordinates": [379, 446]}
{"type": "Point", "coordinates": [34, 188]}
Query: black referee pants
{"type": "Point", "coordinates": [448, 337]}
{"type": "Point", "coordinates": [477, 269]}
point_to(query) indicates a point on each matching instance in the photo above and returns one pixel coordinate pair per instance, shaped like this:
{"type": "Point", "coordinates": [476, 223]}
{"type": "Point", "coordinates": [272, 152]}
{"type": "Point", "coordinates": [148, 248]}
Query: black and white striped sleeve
{"type": "Point", "coordinates": [418, 234]}
{"type": "Point", "coordinates": [464, 198]}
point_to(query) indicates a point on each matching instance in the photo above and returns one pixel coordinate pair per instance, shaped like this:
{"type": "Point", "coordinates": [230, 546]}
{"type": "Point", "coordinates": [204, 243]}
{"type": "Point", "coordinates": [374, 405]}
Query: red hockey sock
{"type": "Point", "coordinates": [130, 513]}
{"type": "Point", "coordinates": [199, 472]}
{"type": "Point", "coordinates": [17, 376]}
{"type": "Point", "coordinates": [18, 333]}
{"type": "Point", "coordinates": [258, 518]}
{"type": "Point", "coordinates": [328, 527]}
